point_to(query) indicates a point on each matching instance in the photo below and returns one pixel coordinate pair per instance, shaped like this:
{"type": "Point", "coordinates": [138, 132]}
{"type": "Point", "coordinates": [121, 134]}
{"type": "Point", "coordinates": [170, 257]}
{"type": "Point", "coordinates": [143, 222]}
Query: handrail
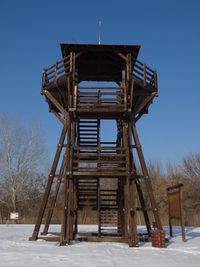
{"type": "Point", "coordinates": [100, 96]}
{"type": "Point", "coordinates": [144, 74]}
{"type": "Point", "coordinates": [100, 148]}
{"type": "Point", "coordinates": [141, 72]}
{"type": "Point", "coordinates": [55, 71]}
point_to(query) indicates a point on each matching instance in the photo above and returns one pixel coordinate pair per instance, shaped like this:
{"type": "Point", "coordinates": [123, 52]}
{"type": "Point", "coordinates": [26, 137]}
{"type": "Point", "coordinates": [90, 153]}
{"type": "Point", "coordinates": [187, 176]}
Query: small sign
{"type": "Point", "coordinates": [14, 215]}
{"type": "Point", "coordinates": [175, 205]}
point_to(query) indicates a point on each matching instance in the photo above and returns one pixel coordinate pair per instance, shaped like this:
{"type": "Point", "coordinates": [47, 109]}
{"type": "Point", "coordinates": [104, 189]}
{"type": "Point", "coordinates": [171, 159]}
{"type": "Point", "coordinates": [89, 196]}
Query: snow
{"type": "Point", "coordinates": [16, 250]}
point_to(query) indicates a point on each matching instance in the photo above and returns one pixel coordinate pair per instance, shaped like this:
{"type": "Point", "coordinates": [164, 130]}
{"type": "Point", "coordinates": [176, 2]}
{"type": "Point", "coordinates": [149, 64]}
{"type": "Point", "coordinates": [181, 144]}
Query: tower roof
{"type": "Point", "coordinates": [121, 48]}
{"type": "Point", "coordinates": [100, 61]}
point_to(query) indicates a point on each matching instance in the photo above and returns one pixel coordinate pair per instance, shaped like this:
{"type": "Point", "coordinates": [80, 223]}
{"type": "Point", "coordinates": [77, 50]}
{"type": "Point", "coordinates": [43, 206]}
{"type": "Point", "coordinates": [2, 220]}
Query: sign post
{"type": "Point", "coordinates": [175, 204]}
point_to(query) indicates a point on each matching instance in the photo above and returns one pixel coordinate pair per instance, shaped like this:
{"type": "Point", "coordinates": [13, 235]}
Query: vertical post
{"type": "Point", "coordinates": [73, 82]}
{"type": "Point", "coordinates": [155, 79]}
{"type": "Point", "coordinates": [56, 73]}
{"type": "Point", "coordinates": [131, 94]}
{"type": "Point", "coordinates": [99, 210]}
{"type": "Point", "coordinates": [44, 78]}
{"type": "Point", "coordinates": [182, 214]}
{"type": "Point", "coordinates": [75, 96]}
{"type": "Point", "coordinates": [124, 92]}
{"type": "Point", "coordinates": [76, 189]}
{"type": "Point", "coordinates": [128, 67]}
{"type": "Point", "coordinates": [71, 62]}
{"type": "Point", "coordinates": [169, 211]}
{"type": "Point", "coordinates": [133, 240]}
{"type": "Point", "coordinates": [98, 165]}
{"type": "Point", "coordinates": [71, 185]}
{"type": "Point", "coordinates": [70, 211]}
{"type": "Point", "coordinates": [128, 80]}
{"type": "Point", "coordinates": [126, 184]}
{"type": "Point", "coordinates": [76, 215]}
{"type": "Point", "coordinates": [144, 74]}
{"type": "Point", "coordinates": [63, 236]}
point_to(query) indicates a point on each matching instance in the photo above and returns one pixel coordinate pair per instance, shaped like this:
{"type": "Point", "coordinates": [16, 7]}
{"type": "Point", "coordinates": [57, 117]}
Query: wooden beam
{"type": "Point", "coordinates": [146, 176]}
{"type": "Point", "coordinates": [49, 185]}
{"type": "Point", "coordinates": [56, 103]}
{"type": "Point", "coordinates": [63, 236]}
{"type": "Point", "coordinates": [147, 100]}
{"type": "Point", "coordinates": [133, 239]}
{"type": "Point", "coordinates": [54, 198]}
{"type": "Point", "coordinates": [58, 116]}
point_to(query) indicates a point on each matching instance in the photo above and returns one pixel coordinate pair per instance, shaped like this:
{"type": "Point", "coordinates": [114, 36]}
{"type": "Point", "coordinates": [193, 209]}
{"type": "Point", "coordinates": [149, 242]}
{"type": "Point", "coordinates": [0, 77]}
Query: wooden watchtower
{"type": "Point", "coordinates": [90, 84]}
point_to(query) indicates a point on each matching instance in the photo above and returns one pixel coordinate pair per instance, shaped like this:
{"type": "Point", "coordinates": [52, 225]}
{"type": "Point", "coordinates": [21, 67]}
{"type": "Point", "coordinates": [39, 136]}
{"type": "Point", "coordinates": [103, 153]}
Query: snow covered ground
{"type": "Point", "coordinates": [16, 250]}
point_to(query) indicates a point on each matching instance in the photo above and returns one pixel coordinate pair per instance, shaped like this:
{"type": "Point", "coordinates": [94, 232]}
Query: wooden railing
{"type": "Point", "coordinates": [144, 74]}
{"type": "Point", "coordinates": [141, 72]}
{"type": "Point", "coordinates": [94, 159]}
{"type": "Point", "coordinates": [57, 70]}
{"type": "Point", "coordinates": [102, 96]}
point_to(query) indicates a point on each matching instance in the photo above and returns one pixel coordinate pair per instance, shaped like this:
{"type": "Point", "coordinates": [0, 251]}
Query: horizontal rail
{"type": "Point", "coordinates": [101, 148]}
{"type": "Point", "coordinates": [144, 74]}
{"type": "Point", "coordinates": [101, 97]}
{"type": "Point", "coordinates": [100, 87]}
{"type": "Point", "coordinates": [55, 71]}
{"type": "Point", "coordinates": [95, 155]}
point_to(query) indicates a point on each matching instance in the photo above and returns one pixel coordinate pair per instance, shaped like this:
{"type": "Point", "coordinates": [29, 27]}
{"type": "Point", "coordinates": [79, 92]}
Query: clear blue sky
{"type": "Point", "coordinates": [169, 34]}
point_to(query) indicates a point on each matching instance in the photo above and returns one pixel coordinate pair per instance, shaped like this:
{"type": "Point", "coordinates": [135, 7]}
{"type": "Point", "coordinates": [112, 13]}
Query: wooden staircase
{"type": "Point", "coordinates": [88, 132]}
{"type": "Point", "coordinates": [87, 188]}
{"type": "Point", "coordinates": [91, 158]}
{"type": "Point", "coordinates": [87, 193]}
{"type": "Point", "coordinates": [109, 222]}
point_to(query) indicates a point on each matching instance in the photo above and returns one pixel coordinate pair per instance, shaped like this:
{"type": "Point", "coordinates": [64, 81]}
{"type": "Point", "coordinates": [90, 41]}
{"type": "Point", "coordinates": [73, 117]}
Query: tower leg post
{"type": "Point", "coordinates": [48, 186]}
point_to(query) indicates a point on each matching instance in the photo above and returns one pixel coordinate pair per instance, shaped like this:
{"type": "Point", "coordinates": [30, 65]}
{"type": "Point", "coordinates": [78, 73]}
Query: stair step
{"type": "Point", "coordinates": [106, 221]}
{"type": "Point", "coordinates": [87, 126]}
{"type": "Point", "coordinates": [88, 142]}
{"type": "Point", "coordinates": [88, 130]}
{"type": "Point", "coordinates": [87, 183]}
{"type": "Point", "coordinates": [88, 134]}
{"type": "Point", "coordinates": [88, 138]}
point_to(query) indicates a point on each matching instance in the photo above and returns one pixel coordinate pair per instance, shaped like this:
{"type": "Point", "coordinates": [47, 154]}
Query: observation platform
{"type": "Point", "coordinates": [103, 63]}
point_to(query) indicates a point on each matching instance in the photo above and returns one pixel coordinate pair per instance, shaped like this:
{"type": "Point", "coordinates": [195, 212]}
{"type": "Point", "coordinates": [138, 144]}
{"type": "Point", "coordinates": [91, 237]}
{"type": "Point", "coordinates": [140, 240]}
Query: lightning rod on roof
{"type": "Point", "coordinates": [99, 32]}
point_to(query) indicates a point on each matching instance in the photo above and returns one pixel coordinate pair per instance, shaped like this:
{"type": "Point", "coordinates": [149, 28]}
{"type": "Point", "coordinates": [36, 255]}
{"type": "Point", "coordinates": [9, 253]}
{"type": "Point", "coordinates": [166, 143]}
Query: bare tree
{"type": "Point", "coordinates": [22, 157]}
{"type": "Point", "coordinates": [191, 166]}
{"type": "Point", "coordinates": [191, 170]}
